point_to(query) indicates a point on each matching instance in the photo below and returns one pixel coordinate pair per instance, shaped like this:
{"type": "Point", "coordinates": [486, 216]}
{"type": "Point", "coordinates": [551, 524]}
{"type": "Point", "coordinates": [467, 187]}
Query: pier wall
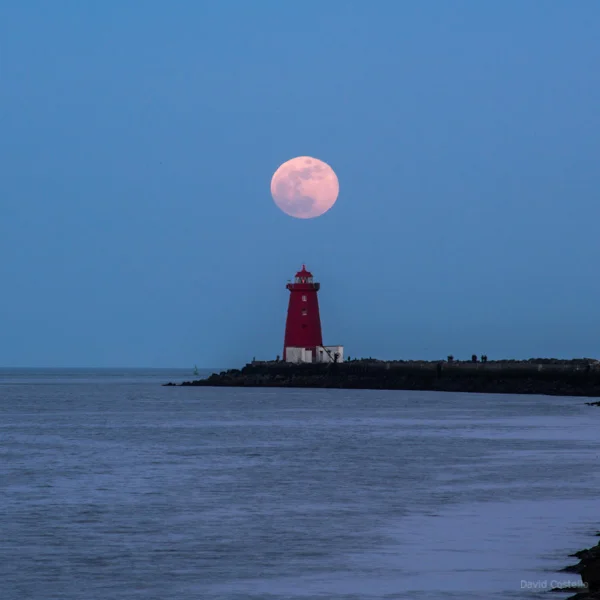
{"type": "Point", "coordinates": [576, 378]}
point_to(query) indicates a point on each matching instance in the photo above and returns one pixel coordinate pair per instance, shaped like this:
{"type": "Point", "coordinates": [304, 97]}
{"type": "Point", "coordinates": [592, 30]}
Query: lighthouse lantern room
{"type": "Point", "coordinates": [303, 342]}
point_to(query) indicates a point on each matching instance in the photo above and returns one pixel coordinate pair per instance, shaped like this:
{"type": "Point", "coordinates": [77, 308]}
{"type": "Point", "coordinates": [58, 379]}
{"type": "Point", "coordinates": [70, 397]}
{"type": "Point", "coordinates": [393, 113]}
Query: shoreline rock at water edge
{"type": "Point", "coordinates": [502, 378]}
{"type": "Point", "coordinates": [588, 568]}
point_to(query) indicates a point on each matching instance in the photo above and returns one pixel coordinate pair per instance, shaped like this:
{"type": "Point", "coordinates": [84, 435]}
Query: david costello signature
{"type": "Point", "coordinates": [552, 584]}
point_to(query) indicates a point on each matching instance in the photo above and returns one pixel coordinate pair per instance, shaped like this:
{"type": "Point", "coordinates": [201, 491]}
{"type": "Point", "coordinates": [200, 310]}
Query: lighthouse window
{"type": "Point", "coordinates": [303, 298]}
{"type": "Point", "coordinates": [304, 312]}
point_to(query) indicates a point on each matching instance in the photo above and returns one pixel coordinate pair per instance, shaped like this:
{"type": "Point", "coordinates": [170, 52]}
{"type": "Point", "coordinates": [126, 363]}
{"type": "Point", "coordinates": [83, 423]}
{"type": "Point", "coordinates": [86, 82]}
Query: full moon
{"type": "Point", "coordinates": [305, 187]}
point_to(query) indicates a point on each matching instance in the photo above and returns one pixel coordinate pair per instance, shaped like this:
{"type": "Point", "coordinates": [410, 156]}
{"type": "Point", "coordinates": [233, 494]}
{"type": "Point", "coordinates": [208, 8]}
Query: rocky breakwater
{"type": "Point", "coordinates": [588, 568]}
{"type": "Point", "coordinates": [562, 378]}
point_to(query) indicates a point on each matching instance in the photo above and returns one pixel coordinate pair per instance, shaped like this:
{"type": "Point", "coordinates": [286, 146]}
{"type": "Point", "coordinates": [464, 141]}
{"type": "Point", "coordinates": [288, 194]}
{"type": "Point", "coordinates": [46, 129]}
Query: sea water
{"type": "Point", "coordinates": [113, 487]}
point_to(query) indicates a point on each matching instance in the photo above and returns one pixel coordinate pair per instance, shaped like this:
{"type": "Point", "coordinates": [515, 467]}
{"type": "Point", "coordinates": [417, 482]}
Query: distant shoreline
{"type": "Point", "coordinates": [553, 377]}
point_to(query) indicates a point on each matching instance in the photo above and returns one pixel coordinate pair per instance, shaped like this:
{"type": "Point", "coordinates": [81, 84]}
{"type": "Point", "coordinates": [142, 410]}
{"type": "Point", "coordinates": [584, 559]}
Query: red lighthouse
{"type": "Point", "coordinates": [303, 340]}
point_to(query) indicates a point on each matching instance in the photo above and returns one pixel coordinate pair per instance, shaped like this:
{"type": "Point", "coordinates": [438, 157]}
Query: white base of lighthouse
{"type": "Point", "coordinates": [317, 354]}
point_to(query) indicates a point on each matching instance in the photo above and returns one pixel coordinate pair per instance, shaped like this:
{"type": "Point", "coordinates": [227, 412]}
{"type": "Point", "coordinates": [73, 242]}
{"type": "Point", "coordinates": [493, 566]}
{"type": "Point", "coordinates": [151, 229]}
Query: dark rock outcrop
{"type": "Point", "coordinates": [588, 568]}
{"type": "Point", "coordinates": [492, 378]}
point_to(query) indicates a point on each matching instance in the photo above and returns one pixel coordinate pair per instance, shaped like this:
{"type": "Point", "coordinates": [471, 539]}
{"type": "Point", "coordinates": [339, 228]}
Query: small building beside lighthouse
{"type": "Point", "coordinates": [303, 341]}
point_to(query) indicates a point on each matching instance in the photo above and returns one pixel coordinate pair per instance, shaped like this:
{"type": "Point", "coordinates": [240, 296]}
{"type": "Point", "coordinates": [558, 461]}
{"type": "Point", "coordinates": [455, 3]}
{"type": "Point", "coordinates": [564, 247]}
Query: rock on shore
{"type": "Point", "coordinates": [588, 568]}
{"type": "Point", "coordinates": [492, 378]}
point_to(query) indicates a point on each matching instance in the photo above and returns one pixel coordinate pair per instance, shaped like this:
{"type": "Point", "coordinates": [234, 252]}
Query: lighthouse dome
{"type": "Point", "coordinates": [304, 273]}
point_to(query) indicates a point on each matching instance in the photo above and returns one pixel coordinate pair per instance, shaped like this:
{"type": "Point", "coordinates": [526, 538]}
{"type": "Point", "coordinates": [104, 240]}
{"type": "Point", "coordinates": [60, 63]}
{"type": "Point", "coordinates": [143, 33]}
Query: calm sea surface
{"type": "Point", "coordinates": [113, 487]}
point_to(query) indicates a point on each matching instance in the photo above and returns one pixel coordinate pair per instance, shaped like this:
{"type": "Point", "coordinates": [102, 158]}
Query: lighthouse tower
{"type": "Point", "coordinates": [303, 340]}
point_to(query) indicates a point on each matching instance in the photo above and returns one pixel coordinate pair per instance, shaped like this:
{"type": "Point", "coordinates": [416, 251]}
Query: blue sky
{"type": "Point", "coordinates": [138, 140]}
